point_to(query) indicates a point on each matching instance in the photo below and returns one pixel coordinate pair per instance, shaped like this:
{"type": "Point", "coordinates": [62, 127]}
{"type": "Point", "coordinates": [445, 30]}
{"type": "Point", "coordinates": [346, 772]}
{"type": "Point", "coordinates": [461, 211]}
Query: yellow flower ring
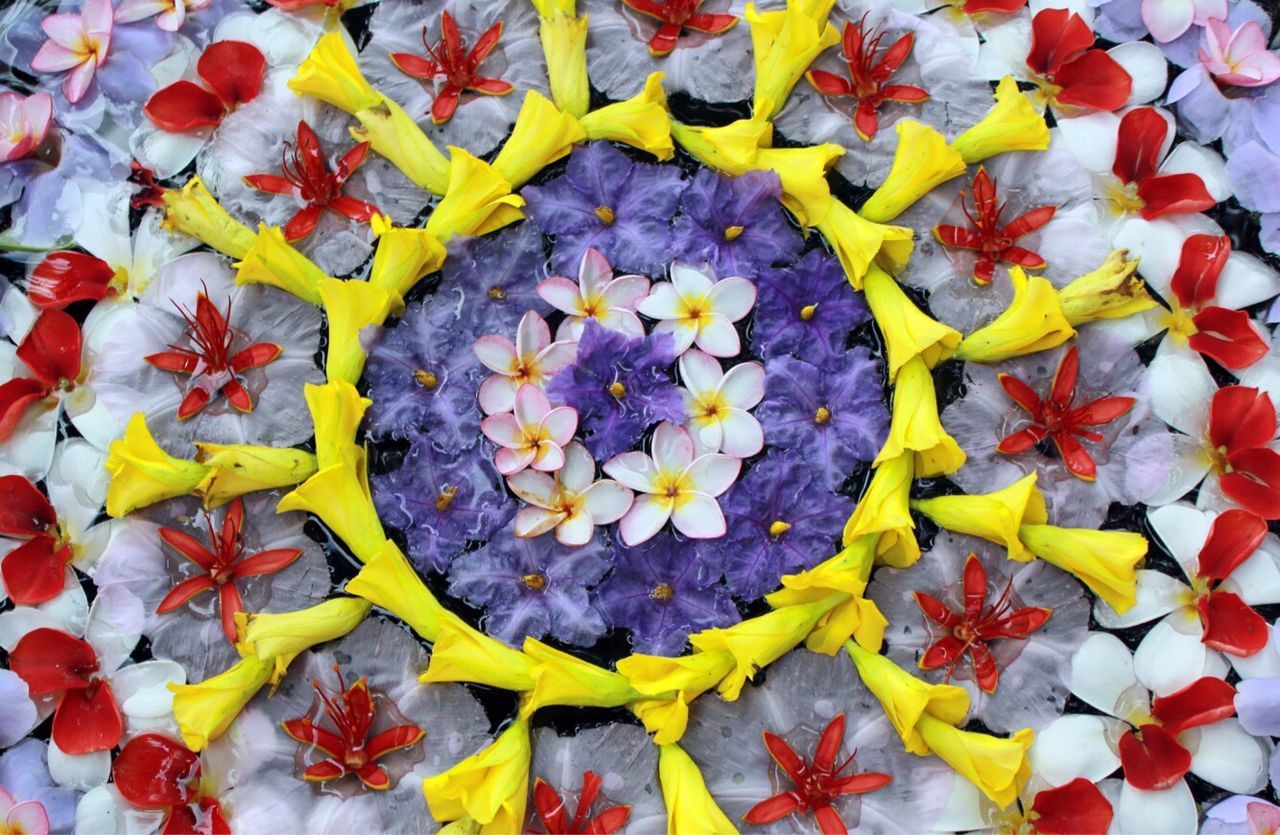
{"type": "Point", "coordinates": [822, 608]}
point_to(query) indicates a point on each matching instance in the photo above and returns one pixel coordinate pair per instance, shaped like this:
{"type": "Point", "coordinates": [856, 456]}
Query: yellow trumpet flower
{"type": "Point", "coordinates": [690, 808]}
{"type": "Point", "coordinates": [858, 242]}
{"type": "Point", "coordinates": [273, 260]}
{"type": "Point", "coordinates": [393, 134]}
{"type": "Point", "coordinates": [564, 44]}
{"type": "Point", "coordinates": [351, 307]}
{"type": "Point", "coordinates": [462, 653]}
{"type": "Point", "coordinates": [339, 496]}
{"type": "Point", "coordinates": [142, 473]}
{"type": "Point", "coordinates": [403, 257]}
{"type": "Point", "coordinates": [336, 410]}
{"type": "Point", "coordinates": [204, 711]}
{"type": "Point", "coordinates": [641, 121]}
{"type": "Point", "coordinates": [997, 767]}
{"type": "Point", "coordinates": [857, 618]}
{"type": "Point", "coordinates": [563, 679]}
{"type": "Point", "coordinates": [330, 74]}
{"type": "Point", "coordinates": [923, 160]}
{"type": "Point", "coordinates": [803, 172]}
{"type": "Point", "coordinates": [847, 572]}
{"type": "Point", "coordinates": [1113, 291]}
{"type": "Point", "coordinates": [884, 512]}
{"type": "Point", "coordinates": [906, 699]}
{"type": "Point", "coordinates": [673, 683]}
{"type": "Point", "coordinates": [478, 200]}
{"type": "Point", "coordinates": [1105, 561]}
{"type": "Point", "coordinates": [1033, 322]}
{"type": "Point", "coordinates": [784, 43]}
{"type": "Point", "coordinates": [490, 786]}
{"type": "Point", "coordinates": [193, 211]}
{"type": "Point", "coordinates": [730, 149]}
{"type": "Point", "coordinates": [995, 517]}
{"type": "Point", "coordinates": [1013, 124]}
{"type": "Point", "coordinates": [908, 331]}
{"type": "Point", "coordinates": [542, 135]}
{"type": "Point", "coordinates": [236, 469]}
{"type": "Point", "coordinates": [285, 634]}
{"type": "Point", "coordinates": [915, 426]}
{"type": "Point", "coordinates": [389, 582]}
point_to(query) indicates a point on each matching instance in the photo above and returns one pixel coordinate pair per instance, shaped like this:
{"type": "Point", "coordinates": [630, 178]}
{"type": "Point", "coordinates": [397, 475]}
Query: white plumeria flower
{"type": "Point", "coordinates": [169, 14]}
{"type": "Point", "coordinates": [674, 484]}
{"type": "Point", "coordinates": [531, 360]}
{"type": "Point", "coordinates": [695, 308]}
{"type": "Point", "coordinates": [717, 403]}
{"type": "Point", "coordinates": [572, 502]}
{"type": "Point", "coordinates": [534, 435]}
{"type": "Point", "coordinates": [596, 295]}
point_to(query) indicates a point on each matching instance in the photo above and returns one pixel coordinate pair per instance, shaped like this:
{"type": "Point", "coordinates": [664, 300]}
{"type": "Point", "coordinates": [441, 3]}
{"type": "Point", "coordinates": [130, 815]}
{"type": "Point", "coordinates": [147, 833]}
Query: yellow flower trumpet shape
{"type": "Point", "coordinates": [478, 200]}
{"type": "Point", "coordinates": [731, 149]}
{"type": "Point", "coordinates": [1113, 291]}
{"type": "Point", "coordinates": [285, 634]}
{"type": "Point", "coordinates": [403, 257]}
{"type": "Point", "coordinates": [691, 810]}
{"type": "Point", "coordinates": [915, 426]}
{"type": "Point", "coordinates": [351, 307]}
{"type": "Point", "coordinates": [273, 260]}
{"type": "Point", "coordinates": [336, 410]}
{"type": "Point", "coordinates": [858, 242]}
{"type": "Point", "coordinates": [562, 679]}
{"type": "Point", "coordinates": [462, 653]}
{"type": "Point", "coordinates": [847, 573]}
{"type": "Point", "coordinates": [339, 496]}
{"type": "Point", "coordinates": [236, 469]}
{"type": "Point", "coordinates": [803, 172]}
{"type": "Point", "coordinates": [857, 618]}
{"type": "Point", "coordinates": [193, 211]}
{"type": "Point", "coordinates": [204, 711]}
{"type": "Point", "coordinates": [330, 74]}
{"type": "Point", "coordinates": [1105, 561]}
{"type": "Point", "coordinates": [997, 767]}
{"type": "Point", "coordinates": [1033, 322]}
{"type": "Point", "coordinates": [394, 135]}
{"type": "Point", "coordinates": [542, 135]}
{"type": "Point", "coordinates": [641, 121]}
{"type": "Point", "coordinates": [908, 331]}
{"type": "Point", "coordinates": [995, 517]}
{"type": "Point", "coordinates": [673, 683]}
{"type": "Point", "coordinates": [389, 582]}
{"type": "Point", "coordinates": [564, 44]}
{"type": "Point", "coordinates": [784, 44]}
{"type": "Point", "coordinates": [884, 513]}
{"type": "Point", "coordinates": [491, 786]}
{"type": "Point", "coordinates": [1013, 124]}
{"type": "Point", "coordinates": [142, 473]}
{"type": "Point", "coordinates": [923, 160]}
{"type": "Point", "coordinates": [906, 699]}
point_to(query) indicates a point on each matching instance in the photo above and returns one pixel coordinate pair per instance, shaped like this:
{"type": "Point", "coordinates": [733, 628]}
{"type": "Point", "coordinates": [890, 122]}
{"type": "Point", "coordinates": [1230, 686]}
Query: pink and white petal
{"type": "Point", "coordinates": [634, 470]}
{"type": "Point", "coordinates": [1091, 139]}
{"type": "Point", "coordinates": [510, 461]}
{"type": "Point", "coordinates": [116, 621]}
{"type": "Point", "coordinates": [645, 518]}
{"type": "Point", "coordinates": [1230, 757]}
{"type": "Point", "coordinates": [625, 291]}
{"type": "Point", "coordinates": [700, 373]}
{"type": "Point", "coordinates": [1146, 65]}
{"type": "Point", "coordinates": [1206, 10]}
{"type": "Point", "coordinates": [54, 57]}
{"type": "Point", "coordinates": [594, 273]}
{"type": "Point", "coordinates": [538, 489]}
{"type": "Point", "coordinates": [28, 816]}
{"type": "Point", "coordinates": [98, 16]}
{"type": "Point", "coordinates": [1245, 281]}
{"type": "Point", "coordinates": [742, 435]}
{"type": "Point", "coordinates": [1182, 390]}
{"type": "Point", "coordinates": [503, 430]}
{"type": "Point", "coordinates": [663, 302]}
{"type": "Point", "coordinates": [532, 334]}
{"type": "Point", "coordinates": [535, 521]}
{"type": "Point", "coordinates": [497, 353]}
{"type": "Point", "coordinates": [549, 458]}
{"type": "Point", "coordinates": [713, 474]}
{"type": "Point", "coordinates": [132, 10]}
{"type": "Point", "coordinates": [743, 385]}
{"type": "Point", "coordinates": [556, 356]}
{"type": "Point", "coordinates": [1166, 20]}
{"type": "Point", "coordinates": [698, 516]}
{"type": "Point", "coordinates": [579, 468]}
{"type": "Point", "coordinates": [707, 434]}
{"type": "Point", "coordinates": [78, 771]}
{"type": "Point", "coordinates": [733, 297]}
{"type": "Point", "coordinates": [622, 320]}
{"type": "Point", "coordinates": [77, 82]}
{"type": "Point", "coordinates": [143, 694]}
{"type": "Point", "coordinates": [607, 501]}
{"type": "Point", "coordinates": [570, 329]}
{"type": "Point", "coordinates": [66, 30]}
{"type": "Point", "coordinates": [1102, 673]}
{"type": "Point", "coordinates": [1076, 746]}
{"type": "Point", "coordinates": [683, 331]}
{"type": "Point", "coordinates": [672, 448]}
{"type": "Point", "coordinates": [531, 407]}
{"type": "Point", "coordinates": [1169, 810]}
{"type": "Point", "coordinates": [717, 336]}
{"type": "Point", "coordinates": [1171, 655]}
{"type": "Point", "coordinates": [562, 294]}
{"type": "Point", "coordinates": [559, 424]}
{"type": "Point", "coordinates": [577, 529]}
{"type": "Point", "coordinates": [691, 283]}
{"type": "Point", "coordinates": [1182, 529]}
{"type": "Point", "coordinates": [1207, 164]}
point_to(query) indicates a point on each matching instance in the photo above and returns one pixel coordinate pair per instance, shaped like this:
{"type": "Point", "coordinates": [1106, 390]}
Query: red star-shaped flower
{"type": "Point", "coordinates": [453, 67]}
{"type": "Point", "coordinates": [555, 817]}
{"type": "Point", "coordinates": [985, 235]}
{"type": "Point", "coordinates": [676, 16]}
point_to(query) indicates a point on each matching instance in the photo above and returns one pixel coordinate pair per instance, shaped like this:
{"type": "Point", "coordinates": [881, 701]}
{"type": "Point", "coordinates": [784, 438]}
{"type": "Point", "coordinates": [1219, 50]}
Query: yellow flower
{"type": "Point", "coordinates": [691, 810]}
{"type": "Point", "coordinates": [394, 134]}
{"type": "Point", "coordinates": [273, 260]}
{"type": "Point", "coordinates": [403, 256]}
{"type": "Point", "coordinates": [193, 211]}
{"type": "Point", "coordinates": [1105, 561]}
{"type": "Point", "coordinates": [283, 634]}
{"type": "Point", "coordinates": [803, 172]}
{"type": "Point", "coordinates": [847, 572]}
{"type": "Point", "coordinates": [562, 679]}
{"type": "Point", "coordinates": [641, 121]}
{"type": "Point", "coordinates": [564, 43]}
{"type": "Point", "coordinates": [142, 473]}
{"type": "Point", "coordinates": [339, 496]}
{"type": "Point", "coordinates": [336, 410]}
{"type": "Point", "coordinates": [351, 306]}
{"type": "Point", "coordinates": [995, 517]}
{"type": "Point", "coordinates": [906, 699]}
{"type": "Point", "coordinates": [858, 242]}
{"type": "Point", "coordinates": [389, 582]}
{"type": "Point", "coordinates": [884, 512]}
{"type": "Point", "coordinates": [330, 74]}
{"type": "Point", "coordinates": [204, 711]}
{"type": "Point", "coordinates": [490, 786]}
{"type": "Point", "coordinates": [478, 201]}
{"type": "Point", "coordinates": [915, 426]}
{"type": "Point", "coordinates": [731, 149]}
{"type": "Point", "coordinates": [857, 618]}
{"type": "Point", "coordinates": [674, 683]}
{"type": "Point", "coordinates": [236, 469]}
{"type": "Point", "coordinates": [542, 135]}
{"type": "Point", "coordinates": [1032, 322]}
{"type": "Point", "coordinates": [998, 767]}
{"type": "Point", "coordinates": [462, 653]}
{"type": "Point", "coordinates": [922, 161]}
{"type": "Point", "coordinates": [1113, 291]}
{"type": "Point", "coordinates": [1013, 124]}
{"type": "Point", "coordinates": [784, 44]}
{"type": "Point", "coordinates": [908, 331]}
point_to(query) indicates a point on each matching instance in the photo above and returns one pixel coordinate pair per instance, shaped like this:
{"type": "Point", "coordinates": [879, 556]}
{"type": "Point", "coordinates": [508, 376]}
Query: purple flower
{"type": "Point", "coordinates": [779, 522]}
{"type": "Point", "coordinates": [620, 386]}
{"type": "Point", "coordinates": [488, 283]}
{"type": "Point", "coordinates": [606, 201]}
{"type": "Point", "coordinates": [442, 501]}
{"type": "Point", "coordinates": [807, 310]}
{"type": "Point", "coordinates": [534, 587]}
{"type": "Point", "coordinates": [833, 417]}
{"type": "Point", "coordinates": [47, 196]}
{"type": "Point", "coordinates": [735, 223]}
{"type": "Point", "coordinates": [661, 591]}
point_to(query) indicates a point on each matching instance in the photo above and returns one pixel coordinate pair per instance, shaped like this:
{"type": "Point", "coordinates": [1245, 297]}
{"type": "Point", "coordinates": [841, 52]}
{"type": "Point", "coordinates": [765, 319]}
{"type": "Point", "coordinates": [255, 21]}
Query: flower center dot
{"type": "Point", "coordinates": [732, 232]}
{"type": "Point", "coordinates": [806, 312]}
{"type": "Point", "coordinates": [617, 389]}
{"type": "Point", "coordinates": [446, 498]}
{"type": "Point", "coordinates": [426, 379]}
{"type": "Point", "coordinates": [778, 528]}
{"type": "Point", "coordinates": [662, 591]}
{"type": "Point", "coordinates": [605, 213]}
{"type": "Point", "coordinates": [534, 581]}
{"type": "Point", "coordinates": [497, 293]}
{"type": "Point", "coordinates": [822, 415]}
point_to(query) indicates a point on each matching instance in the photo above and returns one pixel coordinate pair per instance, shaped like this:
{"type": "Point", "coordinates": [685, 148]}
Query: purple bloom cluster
{"type": "Point", "coordinates": [734, 223]}
{"type": "Point", "coordinates": [806, 310]}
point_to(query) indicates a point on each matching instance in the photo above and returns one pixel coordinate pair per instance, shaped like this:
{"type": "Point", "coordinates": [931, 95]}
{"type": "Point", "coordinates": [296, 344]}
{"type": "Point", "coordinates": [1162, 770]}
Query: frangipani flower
{"type": "Point", "coordinates": [30, 802]}
{"type": "Point", "coordinates": [169, 14]}
{"type": "Point", "coordinates": [572, 502]}
{"type": "Point", "coordinates": [1239, 57]}
{"type": "Point", "coordinates": [532, 359]}
{"type": "Point", "coordinates": [696, 308]}
{"type": "Point", "coordinates": [596, 295]}
{"type": "Point", "coordinates": [533, 434]}
{"type": "Point", "coordinates": [24, 122]}
{"type": "Point", "coordinates": [79, 42]}
{"type": "Point", "coordinates": [717, 404]}
{"type": "Point", "coordinates": [675, 485]}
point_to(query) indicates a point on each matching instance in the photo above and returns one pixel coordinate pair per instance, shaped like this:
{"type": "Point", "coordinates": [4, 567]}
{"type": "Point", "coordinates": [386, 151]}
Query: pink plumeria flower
{"type": "Point", "coordinates": [596, 295]}
{"type": "Point", "coordinates": [28, 817]}
{"type": "Point", "coordinates": [169, 14]}
{"type": "Point", "coordinates": [696, 309]}
{"type": "Point", "coordinates": [1169, 19]}
{"type": "Point", "coordinates": [77, 42]}
{"type": "Point", "coordinates": [531, 360]}
{"type": "Point", "coordinates": [1240, 58]}
{"type": "Point", "coordinates": [24, 122]}
{"type": "Point", "coordinates": [534, 435]}
{"type": "Point", "coordinates": [572, 502]}
{"type": "Point", "coordinates": [717, 404]}
{"type": "Point", "coordinates": [673, 484]}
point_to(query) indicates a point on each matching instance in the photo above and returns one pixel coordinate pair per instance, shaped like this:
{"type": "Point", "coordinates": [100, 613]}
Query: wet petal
{"type": "Point", "coordinates": [733, 297]}
{"type": "Point", "coordinates": [717, 336]}
{"type": "Point", "coordinates": [645, 518]}
{"type": "Point", "coordinates": [713, 474]}
{"type": "Point", "coordinates": [606, 501]}
{"type": "Point", "coordinates": [698, 516]}
{"type": "Point", "coordinates": [672, 448]}
{"type": "Point", "coordinates": [700, 373]}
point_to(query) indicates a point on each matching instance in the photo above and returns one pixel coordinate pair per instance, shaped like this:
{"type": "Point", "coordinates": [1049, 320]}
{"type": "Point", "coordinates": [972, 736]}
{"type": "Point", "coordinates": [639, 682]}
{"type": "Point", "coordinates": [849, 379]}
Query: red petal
{"type": "Point", "coordinates": [1195, 282]}
{"type": "Point", "coordinates": [1174, 194]}
{"type": "Point", "coordinates": [1093, 81]}
{"type": "Point", "coordinates": [357, 210]}
{"type": "Point", "coordinates": [184, 591]}
{"type": "Point", "coordinates": [269, 183]}
{"type": "Point", "coordinates": [1028, 222]}
{"type": "Point", "coordinates": [1202, 702]}
{"type": "Point", "coordinates": [1056, 35]}
{"type": "Point", "coordinates": [1024, 258]}
{"type": "Point", "coordinates": [771, 809]}
{"type": "Point", "coordinates": [175, 361]}
{"type": "Point", "coordinates": [310, 155]}
{"type": "Point", "coordinates": [1022, 622]}
{"type": "Point", "coordinates": [323, 770]}
{"type": "Point", "coordinates": [184, 105]}
{"type": "Point", "coordinates": [985, 670]}
{"type": "Point", "coordinates": [1076, 808]}
{"type": "Point", "coordinates": [445, 103]}
{"type": "Point", "coordinates": [1140, 140]}
{"type": "Point", "coordinates": [956, 236]}
{"type": "Point", "coordinates": [550, 808]}
{"type": "Point", "coordinates": [787, 759]}
{"type": "Point", "coordinates": [1076, 458]}
{"type": "Point", "coordinates": [303, 223]}
{"type": "Point", "coordinates": [88, 720]}
{"type": "Point", "coordinates": [485, 44]}
{"type": "Point", "coordinates": [374, 777]}
{"type": "Point", "coordinates": [351, 160]}
{"type": "Point", "coordinates": [712, 24]}
{"type": "Point", "coordinates": [828, 747]}
{"type": "Point", "coordinates": [868, 781]}
{"type": "Point", "coordinates": [936, 611]}
{"type": "Point", "coordinates": [1154, 762]}
{"type": "Point", "coordinates": [490, 86]}
{"type": "Point", "coordinates": [360, 708]}
{"type": "Point", "coordinates": [591, 785]}
{"type": "Point", "coordinates": [1022, 440]}
{"type": "Point", "coordinates": [64, 277]}
{"type": "Point", "coordinates": [24, 510]}
{"type": "Point", "coordinates": [1102, 411]}
{"type": "Point", "coordinates": [237, 395]}
{"type": "Point", "coordinates": [866, 121]}
{"type": "Point", "coordinates": [35, 571]}
{"type": "Point", "coordinates": [893, 57]}
{"type": "Point", "coordinates": [974, 583]}
{"type": "Point", "coordinates": [230, 604]}
{"type": "Point", "coordinates": [308, 733]}
{"type": "Point", "coordinates": [999, 6]}
{"type": "Point", "coordinates": [1241, 417]}
{"type": "Point", "coordinates": [266, 562]}
{"type": "Point", "coordinates": [905, 93]}
{"type": "Point", "coordinates": [189, 547]}
{"type": "Point", "coordinates": [155, 772]}
{"type": "Point", "coordinates": [829, 84]}
{"type": "Point", "coordinates": [52, 661]}
{"type": "Point", "coordinates": [52, 348]}
{"type": "Point", "coordinates": [664, 40]}
{"type": "Point", "coordinates": [829, 822]}
{"type": "Point", "coordinates": [16, 396]}
{"type": "Point", "coordinates": [413, 66]}
{"type": "Point", "coordinates": [942, 653]}
{"type": "Point", "coordinates": [1255, 482]}
{"type": "Point", "coordinates": [1231, 625]}
{"type": "Point", "coordinates": [233, 70]}
{"type": "Point", "coordinates": [610, 820]}
{"type": "Point", "coordinates": [1021, 393]}
{"type": "Point", "coordinates": [1063, 390]}
{"type": "Point", "coordinates": [191, 405]}
{"type": "Point", "coordinates": [255, 356]}
{"type": "Point", "coordinates": [1227, 336]}
{"type": "Point", "coordinates": [394, 739]}
{"type": "Point", "coordinates": [1233, 537]}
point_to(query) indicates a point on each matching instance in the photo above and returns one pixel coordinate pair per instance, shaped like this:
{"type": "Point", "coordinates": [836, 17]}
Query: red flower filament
{"type": "Point", "coordinates": [674, 16]}
{"type": "Point", "coordinates": [452, 67]}
{"type": "Point", "coordinates": [554, 815]}
{"type": "Point", "coordinates": [985, 235]}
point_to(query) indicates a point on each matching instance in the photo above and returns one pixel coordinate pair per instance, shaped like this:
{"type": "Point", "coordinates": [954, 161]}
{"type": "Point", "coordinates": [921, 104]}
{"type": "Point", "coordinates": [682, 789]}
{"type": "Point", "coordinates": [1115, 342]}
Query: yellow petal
{"type": "Point", "coordinates": [282, 634]}
{"type": "Point", "coordinates": [803, 172]}
{"type": "Point", "coordinates": [351, 307]}
{"type": "Point", "coordinates": [658, 675]}
{"type": "Point", "coordinates": [666, 719]}
{"type": "Point", "coordinates": [1113, 291]}
{"type": "Point", "coordinates": [857, 618]}
{"type": "Point", "coordinates": [922, 161]}
{"type": "Point", "coordinates": [236, 469]}
{"type": "Point", "coordinates": [273, 260]}
{"type": "Point", "coordinates": [641, 121]}
{"type": "Point", "coordinates": [731, 149]}
{"type": "Point", "coordinates": [330, 74]}
{"type": "Point", "coordinates": [478, 201]}
{"type": "Point", "coordinates": [389, 582]}
{"type": "Point", "coordinates": [995, 517]}
{"type": "Point", "coordinates": [336, 409]}
{"type": "Point", "coordinates": [393, 134]}
{"type": "Point", "coordinates": [908, 331]}
{"type": "Point", "coordinates": [339, 496]}
{"type": "Point", "coordinates": [784, 44]}
{"type": "Point", "coordinates": [548, 8]}
{"type": "Point", "coordinates": [564, 43]}
{"type": "Point", "coordinates": [847, 572]}
{"type": "Point", "coordinates": [462, 653]}
{"type": "Point", "coordinates": [1013, 124]}
{"type": "Point", "coordinates": [997, 766]}
{"type": "Point", "coordinates": [563, 679]}
{"type": "Point", "coordinates": [691, 810]}
{"type": "Point", "coordinates": [885, 513]}
{"type": "Point", "coordinates": [858, 242]}
{"type": "Point", "coordinates": [193, 211]}
{"type": "Point", "coordinates": [915, 426]}
{"type": "Point", "coordinates": [142, 473]}
{"type": "Point", "coordinates": [1033, 322]}
{"type": "Point", "coordinates": [204, 711]}
{"type": "Point", "coordinates": [906, 699]}
{"type": "Point", "coordinates": [1105, 561]}
{"type": "Point", "coordinates": [542, 135]}
{"type": "Point", "coordinates": [489, 786]}
{"type": "Point", "coordinates": [403, 257]}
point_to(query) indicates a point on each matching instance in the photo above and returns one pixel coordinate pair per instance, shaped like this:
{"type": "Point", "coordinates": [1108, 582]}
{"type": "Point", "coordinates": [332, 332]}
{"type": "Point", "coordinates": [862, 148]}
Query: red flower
{"type": "Point", "coordinates": [65, 668]}
{"type": "Point", "coordinates": [51, 352]}
{"type": "Point", "coordinates": [674, 16]}
{"type": "Point", "coordinates": [233, 71]}
{"type": "Point", "coordinates": [450, 62]}
{"type": "Point", "coordinates": [35, 571]}
{"type": "Point", "coordinates": [971, 631]}
{"type": "Point", "coordinates": [345, 744]}
{"type": "Point", "coordinates": [1151, 756]}
{"type": "Point", "coordinates": [149, 193]}
{"type": "Point", "coordinates": [868, 75]}
{"type": "Point", "coordinates": [308, 178]}
{"type": "Point", "coordinates": [222, 563]}
{"type": "Point", "coordinates": [210, 362]}
{"type": "Point", "coordinates": [817, 784]}
{"type": "Point", "coordinates": [1075, 808]}
{"type": "Point", "coordinates": [1228, 336]}
{"type": "Point", "coordinates": [1229, 624]}
{"type": "Point", "coordinates": [157, 773]}
{"type": "Point", "coordinates": [555, 817]}
{"type": "Point", "coordinates": [1070, 74]}
{"type": "Point", "coordinates": [1242, 422]}
{"type": "Point", "coordinates": [993, 243]}
{"type": "Point", "coordinates": [63, 277]}
{"type": "Point", "coordinates": [295, 5]}
{"type": "Point", "coordinates": [1140, 148]}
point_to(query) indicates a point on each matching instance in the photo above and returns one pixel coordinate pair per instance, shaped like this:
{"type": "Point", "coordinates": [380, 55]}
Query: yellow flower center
{"type": "Point", "coordinates": [605, 213]}
{"type": "Point", "coordinates": [617, 389]}
{"type": "Point", "coordinates": [662, 591]}
{"type": "Point", "coordinates": [822, 415]}
{"type": "Point", "coordinates": [1179, 323]}
{"type": "Point", "coordinates": [778, 528]}
{"type": "Point", "coordinates": [806, 312]}
{"type": "Point", "coordinates": [426, 379]}
{"type": "Point", "coordinates": [732, 232]}
{"type": "Point", "coordinates": [534, 581]}
{"type": "Point", "coordinates": [497, 293]}
{"type": "Point", "coordinates": [446, 498]}
{"type": "Point", "coordinates": [1122, 198]}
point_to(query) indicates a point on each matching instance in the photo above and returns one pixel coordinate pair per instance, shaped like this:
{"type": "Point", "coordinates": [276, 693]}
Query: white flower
{"type": "Point", "coordinates": [571, 502]}
{"type": "Point", "coordinates": [717, 402]}
{"type": "Point", "coordinates": [597, 295]}
{"type": "Point", "coordinates": [695, 308]}
{"type": "Point", "coordinates": [532, 359]}
{"type": "Point", "coordinates": [534, 435]}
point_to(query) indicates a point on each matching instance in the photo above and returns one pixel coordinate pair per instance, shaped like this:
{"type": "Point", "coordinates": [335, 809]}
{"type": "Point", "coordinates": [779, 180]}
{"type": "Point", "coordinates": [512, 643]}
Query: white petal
{"type": "Point", "coordinates": [78, 771]}
{"type": "Point", "coordinates": [579, 468]}
{"type": "Point", "coordinates": [532, 334]}
{"type": "Point", "coordinates": [1257, 579]}
{"type": "Point", "coordinates": [1146, 65]}
{"type": "Point", "coordinates": [1172, 810]}
{"type": "Point", "coordinates": [1229, 757]}
{"type": "Point", "coordinates": [100, 812]}
{"type": "Point", "coordinates": [142, 692]}
{"type": "Point", "coordinates": [717, 336]}
{"type": "Point", "coordinates": [698, 516]}
{"type": "Point", "coordinates": [606, 501]}
{"type": "Point", "coordinates": [633, 469]}
{"type": "Point", "coordinates": [645, 518]}
{"type": "Point", "coordinates": [1183, 404]}
{"type": "Point", "coordinates": [1092, 139]}
{"type": "Point", "coordinates": [77, 483]}
{"type": "Point", "coordinates": [742, 436]}
{"type": "Point", "coordinates": [1191, 464]}
{"type": "Point", "coordinates": [16, 623]}
{"type": "Point", "coordinates": [683, 331]}
{"type": "Point", "coordinates": [116, 620]}
{"type": "Point", "coordinates": [1169, 658]}
{"type": "Point", "coordinates": [1077, 746]}
{"type": "Point", "coordinates": [691, 283]}
{"type": "Point", "coordinates": [1190, 158]}
{"type": "Point", "coordinates": [594, 273]}
{"type": "Point", "coordinates": [538, 489]}
{"type": "Point", "coordinates": [672, 448]}
{"type": "Point", "coordinates": [1158, 594]}
{"type": "Point", "coordinates": [1102, 673]}
{"type": "Point", "coordinates": [1245, 281]}
{"type": "Point", "coordinates": [708, 433]}
{"type": "Point", "coordinates": [663, 302]}
{"type": "Point", "coordinates": [1158, 246]}
{"type": "Point", "coordinates": [19, 715]}
{"type": "Point", "coordinates": [1182, 529]}
{"type": "Point", "coordinates": [562, 294]}
{"type": "Point", "coordinates": [575, 530]}
{"type": "Point", "coordinates": [713, 474]}
{"type": "Point", "coordinates": [733, 297]}
{"type": "Point", "coordinates": [743, 385]}
{"type": "Point", "coordinates": [700, 373]}
{"type": "Point", "coordinates": [535, 521]}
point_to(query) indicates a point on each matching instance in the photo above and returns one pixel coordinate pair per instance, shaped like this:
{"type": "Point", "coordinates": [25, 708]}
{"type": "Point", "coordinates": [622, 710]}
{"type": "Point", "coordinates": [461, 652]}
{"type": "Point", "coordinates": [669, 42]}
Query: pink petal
{"type": "Point", "coordinates": [76, 84]}
{"type": "Point", "coordinates": [1208, 9]}
{"type": "Point", "coordinates": [497, 394]}
{"type": "Point", "coordinates": [66, 29]}
{"type": "Point", "coordinates": [1217, 34]}
{"type": "Point", "coordinates": [579, 468]}
{"type": "Point", "coordinates": [691, 283]}
{"type": "Point", "coordinates": [503, 430]}
{"type": "Point", "coordinates": [684, 331]}
{"type": "Point", "coordinates": [497, 353]}
{"type": "Point", "coordinates": [717, 336]}
{"type": "Point", "coordinates": [556, 356]}
{"type": "Point", "coordinates": [713, 474]}
{"type": "Point", "coordinates": [733, 297]}
{"type": "Point", "coordinates": [562, 294]}
{"type": "Point", "coordinates": [559, 425]}
{"type": "Point", "coordinates": [1245, 41]}
{"type": "Point", "coordinates": [28, 816]}
{"type": "Point", "coordinates": [622, 320]}
{"type": "Point", "coordinates": [700, 373]}
{"type": "Point", "coordinates": [672, 447]}
{"type": "Point", "coordinates": [171, 20]}
{"type": "Point", "coordinates": [662, 302]}
{"type": "Point", "coordinates": [575, 530]}
{"type": "Point", "coordinates": [1167, 19]}
{"type": "Point", "coordinates": [97, 16]}
{"type": "Point", "coordinates": [606, 501]}
{"type": "Point", "coordinates": [532, 335]}
{"type": "Point", "coordinates": [594, 273]}
{"type": "Point", "coordinates": [548, 458]}
{"type": "Point", "coordinates": [536, 488]}
{"type": "Point", "coordinates": [633, 469]}
{"type": "Point", "coordinates": [37, 112]}
{"type": "Point", "coordinates": [743, 385]}
{"type": "Point", "coordinates": [743, 436]}
{"type": "Point", "coordinates": [645, 518]}
{"type": "Point", "coordinates": [531, 405]}
{"type": "Point", "coordinates": [510, 461]}
{"type": "Point", "coordinates": [698, 516]}
{"type": "Point", "coordinates": [625, 291]}
{"type": "Point", "coordinates": [131, 10]}
{"type": "Point", "coordinates": [53, 57]}
{"type": "Point", "coordinates": [534, 521]}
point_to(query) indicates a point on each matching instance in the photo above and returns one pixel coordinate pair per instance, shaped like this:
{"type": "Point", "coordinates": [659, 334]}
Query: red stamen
{"type": "Point", "coordinates": [993, 241]}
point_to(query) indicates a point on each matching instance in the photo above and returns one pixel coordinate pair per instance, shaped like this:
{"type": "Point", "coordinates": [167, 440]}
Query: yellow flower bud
{"type": "Point", "coordinates": [691, 810]}
{"type": "Point", "coordinates": [908, 331]}
{"type": "Point", "coordinates": [236, 469]}
{"type": "Point", "coordinates": [907, 699]}
{"type": "Point", "coordinates": [193, 211]}
{"type": "Point", "coordinates": [490, 786]}
{"type": "Point", "coordinates": [731, 149]}
{"type": "Point", "coordinates": [277, 635]}
{"type": "Point", "coordinates": [922, 161]}
{"type": "Point", "coordinates": [666, 719]}
{"type": "Point", "coordinates": [330, 74]}
{"type": "Point", "coordinates": [336, 409]}
{"type": "Point", "coordinates": [1033, 322]}
{"type": "Point", "coordinates": [273, 260]}
{"type": "Point", "coordinates": [393, 134]}
{"type": "Point", "coordinates": [562, 679]}
{"type": "Point", "coordinates": [339, 496]}
{"type": "Point", "coordinates": [478, 200]}
{"type": "Point", "coordinates": [403, 256]}
{"type": "Point", "coordinates": [915, 426]}
{"type": "Point", "coordinates": [542, 135]}
{"type": "Point", "coordinates": [142, 473]}
{"type": "Point", "coordinates": [784, 44]}
{"type": "Point", "coordinates": [564, 43]}
{"type": "Point", "coordinates": [1113, 291]}
{"type": "Point", "coordinates": [847, 572]}
{"type": "Point", "coordinates": [803, 172]}
{"type": "Point", "coordinates": [351, 307]}
{"type": "Point", "coordinates": [995, 517]}
{"type": "Point", "coordinates": [998, 767]}
{"type": "Point", "coordinates": [858, 242]}
{"type": "Point", "coordinates": [1105, 561]}
{"type": "Point", "coordinates": [1013, 124]}
{"type": "Point", "coordinates": [641, 121]}
{"type": "Point", "coordinates": [204, 711]}
{"type": "Point", "coordinates": [461, 653]}
{"type": "Point", "coordinates": [884, 512]}
{"type": "Point", "coordinates": [389, 582]}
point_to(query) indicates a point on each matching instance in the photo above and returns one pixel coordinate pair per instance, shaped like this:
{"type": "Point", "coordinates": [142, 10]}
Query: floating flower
{"type": "Point", "coordinates": [806, 310]}
{"type": "Point", "coordinates": [24, 122]}
{"type": "Point", "coordinates": [490, 282]}
{"type": "Point", "coordinates": [532, 359]}
{"type": "Point", "coordinates": [30, 802]}
{"type": "Point", "coordinates": [79, 42]}
{"type": "Point", "coordinates": [572, 502]}
{"type": "Point", "coordinates": [992, 240]}
{"type": "Point", "coordinates": [453, 67]}
{"type": "Point", "coordinates": [169, 14]}
{"type": "Point", "coordinates": [1167, 20]}
{"type": "Point", "coordinates": [596, 295]}
{"type": "Point", "coordinates": [1068, 71]}
{"type": "Point", "coordinates": [736, 224]}
{"type": "Point", "coordinates": [600, 778]}
{"type": "Point", "coordinates": [698, 309]}
{"type": "Point", "coordinates": [533, 435]}
{"type": "Point", "coordinates": [232, 72]}
{"type": "Point", "coordinates": [1238, 57]}
{"type": "Point", "coordinates": [717, 404]}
